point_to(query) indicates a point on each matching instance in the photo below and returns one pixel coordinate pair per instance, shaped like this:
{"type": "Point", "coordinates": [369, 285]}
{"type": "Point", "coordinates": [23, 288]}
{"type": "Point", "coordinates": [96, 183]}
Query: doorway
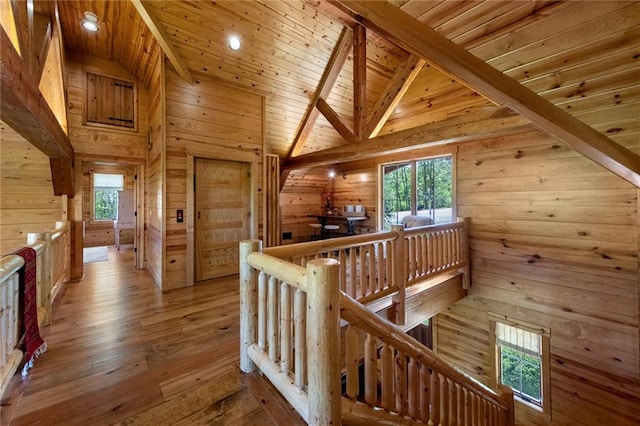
{"type": "Point", "coordinates": [222, 215]}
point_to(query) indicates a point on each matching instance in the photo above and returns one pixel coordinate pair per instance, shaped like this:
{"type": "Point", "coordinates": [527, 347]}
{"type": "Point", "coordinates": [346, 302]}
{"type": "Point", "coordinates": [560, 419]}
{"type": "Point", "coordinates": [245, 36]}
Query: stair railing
{"type": "Point", "coordinates": [404, 381]}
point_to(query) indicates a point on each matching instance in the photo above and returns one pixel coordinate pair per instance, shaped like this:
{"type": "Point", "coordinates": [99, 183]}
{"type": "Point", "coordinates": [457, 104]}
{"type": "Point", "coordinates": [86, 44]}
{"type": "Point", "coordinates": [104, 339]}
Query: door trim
{"type": "Point", "coordinates": [191, 202]}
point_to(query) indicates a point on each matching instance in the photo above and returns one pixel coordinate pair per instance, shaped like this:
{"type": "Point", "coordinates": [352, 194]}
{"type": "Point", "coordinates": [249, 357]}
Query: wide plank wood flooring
{"type": "Point", "coordinates": [120, 351]}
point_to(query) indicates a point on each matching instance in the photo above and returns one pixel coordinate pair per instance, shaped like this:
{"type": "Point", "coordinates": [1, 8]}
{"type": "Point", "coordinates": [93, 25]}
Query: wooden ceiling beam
{"type": "Point", "coordinates": [395, 90]}
{"type": "Point", "coordinates": [493, 121]}
{"type": "Point", "coordinates": [336, 121]}
{"type": "Point", "coordinates": [329, 77]}
{"type": "Point", "coordinates": [62, 176]}
{"type": "Point", "coordinates": [163, 40]}
{"type": "Point", "coordinates": [25, 109]}
{"type": "Point", "coordinates": [419, 39]}
{"type": "Point", "coordinates": [359, 82]}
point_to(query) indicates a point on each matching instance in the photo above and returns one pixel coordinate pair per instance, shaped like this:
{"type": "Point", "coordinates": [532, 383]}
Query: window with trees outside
{"type": "Point", "coordinates": [105, 195]}
{"type": "Point", "coordinates": [521, 362]}
{"type": "Point", "coordinates": [417, 187]}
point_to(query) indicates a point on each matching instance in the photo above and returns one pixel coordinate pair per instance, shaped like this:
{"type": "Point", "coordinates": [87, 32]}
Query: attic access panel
{"type": "Point", "coordinates": [110, 101]}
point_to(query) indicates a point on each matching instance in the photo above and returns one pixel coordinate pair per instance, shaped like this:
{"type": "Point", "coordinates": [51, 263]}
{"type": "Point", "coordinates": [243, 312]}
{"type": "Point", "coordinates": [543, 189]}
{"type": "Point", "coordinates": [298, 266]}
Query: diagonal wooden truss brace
{"type": "Point", "coordinates": [421, 40]}
{"type": "Point", "coordinates": [163, 39]}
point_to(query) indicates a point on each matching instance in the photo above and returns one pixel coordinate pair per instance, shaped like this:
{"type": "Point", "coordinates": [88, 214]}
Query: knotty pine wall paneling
{"type": "Point", "coordinates": [100, 142]}
{"type": "Point", "coordinates": [357, 187]}
{"type": "Point", "coordinates": [206, 120]}
{"type": "Point", "coordinates": [27, 203]}
{"type": "Point", "coordinates": [554, 242]}
{"type": "Point", "coordinates": [155, 179]}
{"type": "Point", "coordinates": [301, 196]}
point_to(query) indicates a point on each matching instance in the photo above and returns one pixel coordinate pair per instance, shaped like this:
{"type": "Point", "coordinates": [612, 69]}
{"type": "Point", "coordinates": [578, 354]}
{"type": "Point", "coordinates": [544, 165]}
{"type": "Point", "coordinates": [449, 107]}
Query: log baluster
{"type": "Point", "coordinates": [300, 332]}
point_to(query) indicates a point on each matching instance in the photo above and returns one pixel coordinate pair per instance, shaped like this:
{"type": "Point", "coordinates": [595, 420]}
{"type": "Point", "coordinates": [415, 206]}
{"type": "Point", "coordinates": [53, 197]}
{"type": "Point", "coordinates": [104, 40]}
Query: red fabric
{"type": "Point", "coordinates": [34, 344]}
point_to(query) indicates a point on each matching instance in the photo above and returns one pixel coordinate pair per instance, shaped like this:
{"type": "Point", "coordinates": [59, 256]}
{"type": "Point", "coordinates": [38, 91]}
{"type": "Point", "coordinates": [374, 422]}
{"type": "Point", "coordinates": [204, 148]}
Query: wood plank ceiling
{"type": "Point", "coordinates": [581, 56]}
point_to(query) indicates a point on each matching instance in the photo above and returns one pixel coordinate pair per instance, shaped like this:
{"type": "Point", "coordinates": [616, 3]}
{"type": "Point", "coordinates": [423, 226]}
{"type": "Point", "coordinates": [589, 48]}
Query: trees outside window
{"type": "Point", "coordinates": [105, 195]}
{"type": "Point", "coordinates": [417, 187]}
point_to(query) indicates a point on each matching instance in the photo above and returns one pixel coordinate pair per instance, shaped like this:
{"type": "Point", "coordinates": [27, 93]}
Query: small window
{"type": "Point", "coordinates": [105, 195]}
{"type": "Point", "coordinates": [110, 101]}
{"type": "Point", "coordinates": [522, 361]}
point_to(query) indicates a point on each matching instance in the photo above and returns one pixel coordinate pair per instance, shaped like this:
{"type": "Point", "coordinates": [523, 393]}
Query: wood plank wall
{"type": "Point", "coordinates": [206, 120]}
{"type": "Point", "coordinates": [357, 186]}
{"type": "Point", "coordinates": [154, 230]}
{"type": "Point", "coordinates": [555, 243]}
{"type": "Point", "coordinates": [100, 233]}
{"type": "Point", "coordinates": [300, 196]}
{"type": "Point", "coordinates": [27, 203]}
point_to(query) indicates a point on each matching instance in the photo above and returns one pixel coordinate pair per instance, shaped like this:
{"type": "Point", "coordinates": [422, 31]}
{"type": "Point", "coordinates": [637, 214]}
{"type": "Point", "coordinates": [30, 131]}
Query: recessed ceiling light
{"type": "Point", "coordinates": [332, 174]}
{"type": "Point", "coordinates": [91, 26]}
{"type": "Point", "coordinates": [90, 16]}
{"type": "Point", "coordinates": [234, 42]}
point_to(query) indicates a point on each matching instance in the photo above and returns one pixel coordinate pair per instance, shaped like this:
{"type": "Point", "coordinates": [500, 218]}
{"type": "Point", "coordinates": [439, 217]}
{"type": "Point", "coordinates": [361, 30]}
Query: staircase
{"type": "Point", "coordinates": [308, 322]}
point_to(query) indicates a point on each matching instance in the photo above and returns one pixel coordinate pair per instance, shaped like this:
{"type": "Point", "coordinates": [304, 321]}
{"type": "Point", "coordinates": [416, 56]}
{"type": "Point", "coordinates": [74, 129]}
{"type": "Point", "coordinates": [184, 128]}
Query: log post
{"type": "Point", "coordinates": [466, 258]}
{"type": "Point", "coordinates": [323, 342]}
{"type": "Point", "coordinates": [44, 274]}
{"type": "Point", "coordinates": [248, 303]}
{"type": "Point", "coordinates": [399, 274]}
{"type": "Point", "coordinates": [505, 396]}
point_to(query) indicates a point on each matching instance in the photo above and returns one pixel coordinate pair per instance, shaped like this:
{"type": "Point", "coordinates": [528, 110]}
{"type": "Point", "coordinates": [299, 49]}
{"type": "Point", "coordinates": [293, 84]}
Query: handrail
{"type": "Point", "coordinates": [324, 246]}
{"type": "Point", "coordinates": [10, 264]}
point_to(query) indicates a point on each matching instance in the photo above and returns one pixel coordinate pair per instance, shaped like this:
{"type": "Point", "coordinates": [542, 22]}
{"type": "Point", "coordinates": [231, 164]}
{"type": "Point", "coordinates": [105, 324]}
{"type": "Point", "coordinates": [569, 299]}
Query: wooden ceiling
{"type": "Point", "coordinates": [581, 56]}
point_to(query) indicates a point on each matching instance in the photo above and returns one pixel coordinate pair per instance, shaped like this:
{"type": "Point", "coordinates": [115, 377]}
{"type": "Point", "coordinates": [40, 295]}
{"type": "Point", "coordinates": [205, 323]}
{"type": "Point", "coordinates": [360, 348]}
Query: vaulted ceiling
{"type": "Point", "coordinates": [581, 56]}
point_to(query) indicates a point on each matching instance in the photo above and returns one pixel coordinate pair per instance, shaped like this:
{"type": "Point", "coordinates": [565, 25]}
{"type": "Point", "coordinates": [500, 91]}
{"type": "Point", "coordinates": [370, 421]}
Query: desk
{"type": "Point", "coordinates": [351, 222]}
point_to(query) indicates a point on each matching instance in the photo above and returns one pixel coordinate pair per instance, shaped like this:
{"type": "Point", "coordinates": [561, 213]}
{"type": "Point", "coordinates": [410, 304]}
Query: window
{"type": "Point", "coordinates": [522, 361]}
{"type": "Point", "coordinates": [105, 195]}
{"type": "Point", "coordinates": [417, 187]}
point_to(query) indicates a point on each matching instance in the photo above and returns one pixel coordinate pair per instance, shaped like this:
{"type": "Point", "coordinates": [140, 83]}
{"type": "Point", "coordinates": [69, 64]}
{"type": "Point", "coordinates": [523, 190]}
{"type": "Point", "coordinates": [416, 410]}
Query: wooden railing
{"type": "Point", "coordinates": [367, 271]}
{"type": "Point", "coordinates": [52, 268]}
{"type": "Point", "coordinates": [289, 325]}
{"type": "Point", "coordinates": [290, 330]}
{"type": "Point", "coordinates": [435, 249]}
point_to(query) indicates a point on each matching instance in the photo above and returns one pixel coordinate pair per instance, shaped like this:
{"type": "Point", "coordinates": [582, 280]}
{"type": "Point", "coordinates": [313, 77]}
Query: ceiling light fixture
{"type": "Point", "coordinates": [90, 21]}
{"type": "Point", "coordinates": [91, 26]}
{"type": "Point", "coordinates": [90, 16]}
{"type": "Point", "coordinates": [332, 174]}
{"type": "Point", "coordinates": [234, 42]}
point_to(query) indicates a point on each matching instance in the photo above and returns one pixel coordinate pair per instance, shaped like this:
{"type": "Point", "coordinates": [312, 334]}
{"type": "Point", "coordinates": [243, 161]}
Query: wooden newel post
{"type": "Point", "coordinates": [44, 271]}
{"type": "Point", "coordinates": [399, 274]}
{"type": "Point", "coordinates": [505, 396]}
{"type": "Point", "coordinates": [248, 303]}
{"type": "Point", "coordinates": [323, 342]}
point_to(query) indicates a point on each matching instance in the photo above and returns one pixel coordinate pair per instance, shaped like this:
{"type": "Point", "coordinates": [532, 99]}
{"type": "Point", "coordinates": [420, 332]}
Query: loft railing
{"type": "Point", "coordinates": [377, 265]}
{"type": "Point", "coordinates": [290, 330]}
{"type": "Point", "coordinates": [52, 269]}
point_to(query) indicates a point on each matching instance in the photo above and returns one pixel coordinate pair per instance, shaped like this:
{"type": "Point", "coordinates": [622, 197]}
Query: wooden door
{"type": "Point", "coordinates": [222, 216]}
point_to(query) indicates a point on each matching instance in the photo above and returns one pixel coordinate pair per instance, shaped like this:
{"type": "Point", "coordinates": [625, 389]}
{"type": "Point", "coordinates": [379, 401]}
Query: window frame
{"type": "Point", "coordinates": [413, 162]}
{"type": "Point", "coordinates": [544, 408]}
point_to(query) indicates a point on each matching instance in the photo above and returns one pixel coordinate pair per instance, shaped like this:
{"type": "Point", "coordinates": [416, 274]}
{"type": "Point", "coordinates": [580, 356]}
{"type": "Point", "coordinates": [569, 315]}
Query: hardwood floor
{"type": "Point", "coordinates": [122, 352]}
